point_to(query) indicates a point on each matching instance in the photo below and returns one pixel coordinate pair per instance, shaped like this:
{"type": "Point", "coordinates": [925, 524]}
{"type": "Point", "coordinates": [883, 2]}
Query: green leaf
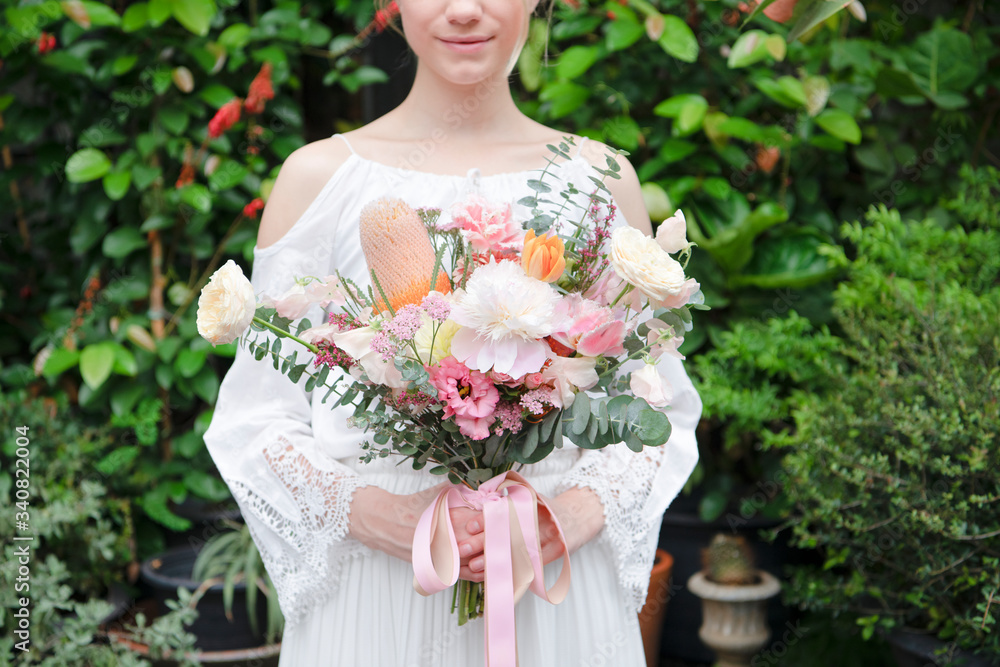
{"type": "Point", "coordinates": [741, 128]}
{"type": "Point", "coordinates": [101, 14]}
{"type": "Point", "coordinates": [581, 413]}
{"type": "Point", "coordinates": [195, 15]}
{"type": "Point", "coordinates": [189, 362]}
{"type": "Point", "coordinates": [96, 362]}
{"type": "Point", "coordinates": [123, 63]}
{"type": "Point", "coordinates": [159, 12]}
{"type": "Point", "coordinates": [235, 36]}
{"type": "Point", "coordinates": [812, 14]}
{"type": "Point", "coordinates": [750, 47]}
{"type": "Point", "coordinates": [228, 174]}
{"type": "Point", "coordinates": [944, 59]}
{"type": "Point", "coordinates": [623, 33]}
{"type": "Point", "coordinates": [135, 17]}
{"type": "Point", "coordinates": [563, 97]}
{"type": "Point", "coordinates": [576, 60]}
{"type": "Point", "coordinates": [116, 184]}
{"type": "Point", "coordinates": [678, 40]}
{"type": "Point", "coordinates": [840, 124]}
{"type": "Point", "coordinates": [125, 363]}
{"type": "Point", "coordinates": [144, 175]}
{"type": "Point", "coordinates": [712, 505]}
{"type": "Point", "coordinates": [675, 150]}
{"type": "Point", "coordinates": [197, 197]}
{"type": "Point", "coordinates": [786, 91]}
{"type": "Point", "coordinates": [672, 106]}
{"type": "Point", "coordinates": [122, 242]}
{"type": "Point", "coordinates": [125, 396]}
{"type": "Point", "coordinates": [60, 361]}
{"type": "Point", "coordinates": [206, 384]}
{"type": "Point", "coordinates": [206, 486]}
{"type": "Point", "coordinates": [652, 428]}
{"type": "Point", "coordinates": [87, 164]}
{"type": "Point", "coordinates": [894, 83]}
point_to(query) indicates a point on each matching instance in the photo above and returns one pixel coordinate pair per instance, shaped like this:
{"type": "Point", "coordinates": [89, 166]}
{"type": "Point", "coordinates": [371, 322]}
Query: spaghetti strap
{"type": "Point", "coordinates": [583, 142]}
{"type": "Point", "coordinates": [349, 146]}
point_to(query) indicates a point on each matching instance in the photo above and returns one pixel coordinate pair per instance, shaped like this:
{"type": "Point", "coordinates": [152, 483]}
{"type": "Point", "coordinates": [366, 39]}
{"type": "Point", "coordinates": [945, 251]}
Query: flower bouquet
{"type": "Point", "coordinates": [473, 349]}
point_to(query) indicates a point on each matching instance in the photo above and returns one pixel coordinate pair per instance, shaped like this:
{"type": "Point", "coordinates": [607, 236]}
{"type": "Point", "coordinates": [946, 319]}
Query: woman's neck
{"type": "Point", "coordinates": [483, 111]}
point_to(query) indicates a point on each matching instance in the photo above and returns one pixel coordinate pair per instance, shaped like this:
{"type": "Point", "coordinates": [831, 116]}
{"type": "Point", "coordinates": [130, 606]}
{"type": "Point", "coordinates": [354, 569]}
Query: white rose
{"type": "Point", "coordinates": [226, 305]}
{"type": "Point", "coordinates": [650, 385]}
{"type": "Point", "coordinates": [672, 233]}
{"type": "Point", "coordinates": [640, 261]}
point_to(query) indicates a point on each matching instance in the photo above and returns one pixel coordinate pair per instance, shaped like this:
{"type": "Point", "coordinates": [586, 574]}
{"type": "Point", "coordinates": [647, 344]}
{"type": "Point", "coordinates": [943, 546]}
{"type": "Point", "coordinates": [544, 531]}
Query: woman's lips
{"type": "Point", "coordinates": [466, 44]}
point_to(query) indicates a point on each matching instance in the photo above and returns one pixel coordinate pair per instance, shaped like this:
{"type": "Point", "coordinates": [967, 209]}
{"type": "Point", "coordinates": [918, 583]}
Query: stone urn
{"type": "Point", "coordinates": [734, 618]}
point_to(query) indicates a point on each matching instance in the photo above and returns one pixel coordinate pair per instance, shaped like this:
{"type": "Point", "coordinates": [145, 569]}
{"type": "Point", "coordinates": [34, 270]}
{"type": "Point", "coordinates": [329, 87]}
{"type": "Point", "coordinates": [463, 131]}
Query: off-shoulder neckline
{"type": "Point", "coordinates": [471, 174]}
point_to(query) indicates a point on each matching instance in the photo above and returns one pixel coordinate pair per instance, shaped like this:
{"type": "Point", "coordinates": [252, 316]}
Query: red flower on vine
{"type": "Point", "coordinates": [250, 210]}
{"type": "Point", "coordinates": [384, 17]}
{"type": "Point", "coordinates": [46, 43]}
{"type": "Point", "coordinates": [225, 118]}
{"type": "Point", "coordinates": [186, 177]}
{"type": "Point", "coordinates": [261, 90]}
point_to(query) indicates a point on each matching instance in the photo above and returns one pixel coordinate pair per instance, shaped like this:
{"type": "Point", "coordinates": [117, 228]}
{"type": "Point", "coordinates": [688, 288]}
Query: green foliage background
{"type": "Point", "coordinates": [767, 145]}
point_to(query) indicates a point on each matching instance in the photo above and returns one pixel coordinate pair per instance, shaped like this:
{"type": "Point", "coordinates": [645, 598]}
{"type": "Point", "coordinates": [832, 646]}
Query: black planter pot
{"type": "Point", "coordinates": [912, 649]}
{"type": "Point", "coordinates": [207, 520]}
{"type": "Point", "coordinates": [684, 535]}
{"type": "Point", "coordinates": [171, 570]}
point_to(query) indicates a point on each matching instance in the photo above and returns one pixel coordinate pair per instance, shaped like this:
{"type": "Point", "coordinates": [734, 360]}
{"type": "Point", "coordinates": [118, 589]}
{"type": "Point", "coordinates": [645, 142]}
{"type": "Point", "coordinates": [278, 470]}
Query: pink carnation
{"type": "Point", "coordinates": [485, 226]}
{"type": "Point", "coordinates": [469, 397]}
{"type": "Point", "coordinates": [590, 329]}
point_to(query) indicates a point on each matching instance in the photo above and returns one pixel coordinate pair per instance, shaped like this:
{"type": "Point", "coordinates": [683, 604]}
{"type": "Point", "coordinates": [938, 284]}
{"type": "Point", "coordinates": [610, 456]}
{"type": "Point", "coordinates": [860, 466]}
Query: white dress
{"type": "Point", "coordinates": [293, 464]}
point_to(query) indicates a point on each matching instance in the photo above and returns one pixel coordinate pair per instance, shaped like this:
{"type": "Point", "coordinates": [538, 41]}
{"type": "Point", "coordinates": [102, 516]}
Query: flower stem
{"type": "Point", "coordinates": [287, 334]}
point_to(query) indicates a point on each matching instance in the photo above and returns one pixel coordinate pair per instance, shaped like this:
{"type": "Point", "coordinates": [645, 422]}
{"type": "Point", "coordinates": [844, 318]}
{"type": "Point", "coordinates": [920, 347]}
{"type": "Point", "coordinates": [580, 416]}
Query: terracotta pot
{"type": "Point", "coordinates": [734, 618]}
{"type": "Point", "coordinates": [651, 614]}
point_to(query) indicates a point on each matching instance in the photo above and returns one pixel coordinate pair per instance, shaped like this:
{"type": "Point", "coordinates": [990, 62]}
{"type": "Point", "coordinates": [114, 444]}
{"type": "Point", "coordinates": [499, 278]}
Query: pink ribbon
{"type": "Point", "coordinates": [512, 551]}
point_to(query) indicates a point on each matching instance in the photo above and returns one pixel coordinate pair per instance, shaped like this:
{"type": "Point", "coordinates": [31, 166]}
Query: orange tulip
{"type": "Point", "coordinates": [543, 256]}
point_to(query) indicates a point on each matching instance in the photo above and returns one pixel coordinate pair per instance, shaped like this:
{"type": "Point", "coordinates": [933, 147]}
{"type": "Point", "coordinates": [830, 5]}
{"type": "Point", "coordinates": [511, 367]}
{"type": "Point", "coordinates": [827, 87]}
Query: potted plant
{"type": "Point", "coordinates": [224, 578]}
{"type": "Point", "coordinates": [734, 597]}
{"type": "Point", "coordinates": [657, 597]}
{"type": "Point", "coordinates": [897, 481]}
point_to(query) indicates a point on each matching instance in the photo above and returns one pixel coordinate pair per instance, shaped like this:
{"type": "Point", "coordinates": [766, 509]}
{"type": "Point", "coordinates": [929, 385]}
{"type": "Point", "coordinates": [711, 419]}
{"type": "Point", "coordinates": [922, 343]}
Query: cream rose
{"type": "Point", "coordinates": [226, 305]}
{"type": "Point", "coordinates": [640, 261]}
{"type": "Point", "coordinates": [650, 385]}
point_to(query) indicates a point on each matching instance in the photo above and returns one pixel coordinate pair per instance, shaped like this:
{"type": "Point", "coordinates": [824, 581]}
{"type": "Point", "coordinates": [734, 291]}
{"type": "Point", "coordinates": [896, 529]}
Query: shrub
{"type": "Point", "coordinates": [895, 473]}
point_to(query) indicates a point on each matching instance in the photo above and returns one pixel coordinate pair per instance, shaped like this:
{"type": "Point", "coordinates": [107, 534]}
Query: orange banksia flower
{"type": "Point", "coordinates": [399, 251]}
{"type": "Point", "coordinates": [225, 118]}
{"type": "Point", "coordinates": [543, 256]}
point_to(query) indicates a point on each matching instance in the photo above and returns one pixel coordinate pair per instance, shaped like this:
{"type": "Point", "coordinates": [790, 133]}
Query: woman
{"type": "Point", "coordinates": [336, 534]}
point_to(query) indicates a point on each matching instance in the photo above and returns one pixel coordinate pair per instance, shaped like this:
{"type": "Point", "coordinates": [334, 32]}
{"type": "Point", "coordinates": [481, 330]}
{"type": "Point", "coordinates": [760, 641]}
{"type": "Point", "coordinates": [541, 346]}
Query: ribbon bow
{"type": "Point", "coordinates": [512, 551]}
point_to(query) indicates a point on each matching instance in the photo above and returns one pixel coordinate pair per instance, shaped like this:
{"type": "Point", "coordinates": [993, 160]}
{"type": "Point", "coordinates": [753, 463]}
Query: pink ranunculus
{"type": "Point", "coordinates": [486, 226]}
{"type": "Point", "coordinates": [469, 396]}
{"type": "Point", "coordinates": [589, 328]}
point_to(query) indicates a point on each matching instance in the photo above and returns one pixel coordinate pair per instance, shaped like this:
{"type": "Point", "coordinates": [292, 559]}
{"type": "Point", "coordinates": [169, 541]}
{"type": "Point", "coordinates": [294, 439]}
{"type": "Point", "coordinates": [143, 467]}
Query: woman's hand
{"type": "Point", "coordinates": [579, 511]}
{"type": "Point", "coordinates": [387, 521]}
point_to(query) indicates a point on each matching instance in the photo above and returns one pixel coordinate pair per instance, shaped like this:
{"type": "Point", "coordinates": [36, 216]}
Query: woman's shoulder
{"type": "Point", "coordinates": [626, 189]}
{"type": "Point", "coordinates": [300, 180]}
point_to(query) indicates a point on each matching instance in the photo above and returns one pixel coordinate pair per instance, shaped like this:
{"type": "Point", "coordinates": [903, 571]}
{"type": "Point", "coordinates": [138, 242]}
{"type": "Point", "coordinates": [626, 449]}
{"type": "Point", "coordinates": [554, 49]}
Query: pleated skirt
{"type": "Point", "coordinates": [376, 619]}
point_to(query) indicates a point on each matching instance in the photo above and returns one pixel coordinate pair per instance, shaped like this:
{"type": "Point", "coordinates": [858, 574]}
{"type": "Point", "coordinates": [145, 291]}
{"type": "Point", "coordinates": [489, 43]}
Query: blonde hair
{"type": "Point", "coordinates": [383, 6]}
